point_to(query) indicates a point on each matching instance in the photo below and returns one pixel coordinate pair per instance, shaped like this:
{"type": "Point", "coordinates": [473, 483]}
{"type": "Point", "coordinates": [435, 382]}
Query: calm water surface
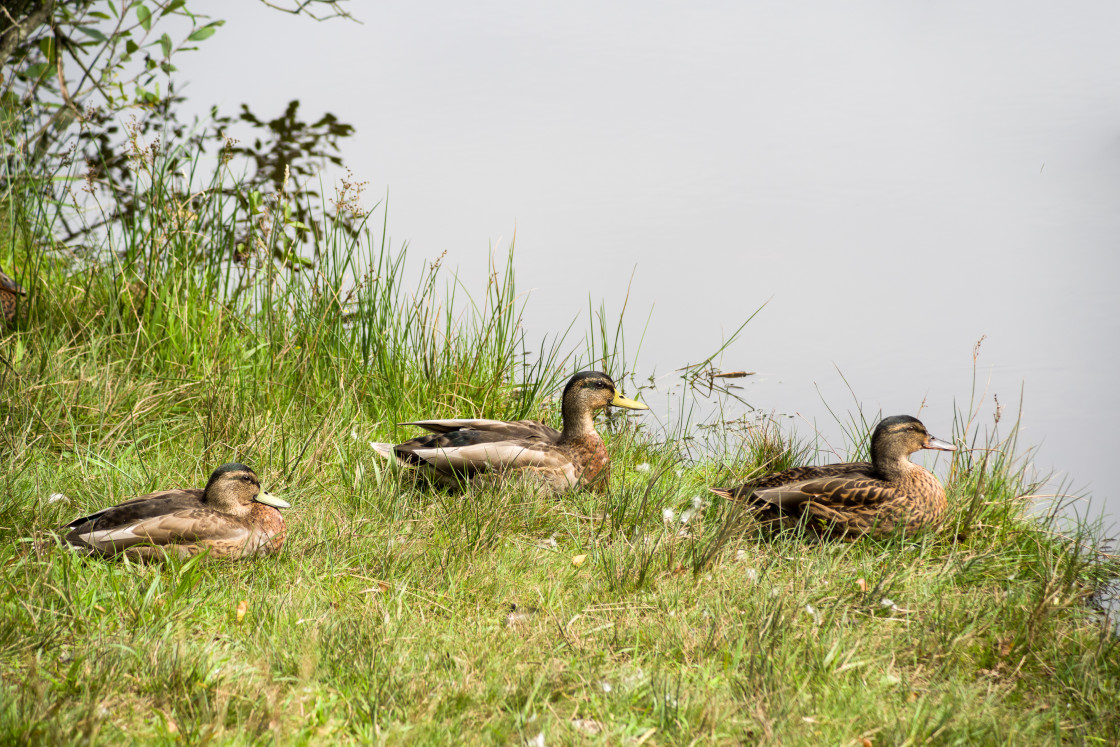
{"type": "Point", "coordinates": [893, 180]}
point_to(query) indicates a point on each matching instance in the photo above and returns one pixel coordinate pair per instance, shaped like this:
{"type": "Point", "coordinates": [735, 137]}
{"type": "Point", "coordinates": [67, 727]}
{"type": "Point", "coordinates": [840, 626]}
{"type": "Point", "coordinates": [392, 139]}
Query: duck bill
{"type": "Point", "coordinates": [269, 499]}
{"type": "Point", "coordinates": [629, 404]}
{"type": "Point", "coordinates": [937, 443]}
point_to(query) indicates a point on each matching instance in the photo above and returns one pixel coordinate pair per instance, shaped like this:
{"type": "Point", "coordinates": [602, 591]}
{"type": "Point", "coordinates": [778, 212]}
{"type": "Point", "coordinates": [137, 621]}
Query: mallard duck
{"type": "Point", "coordinates": [10, 291]}
{"type": "Point", "coordinates": [857, 497]}
{"type": "Point", "coordinates": [460, 449]}
{"type": "Point", "coordinates": [231, 517]}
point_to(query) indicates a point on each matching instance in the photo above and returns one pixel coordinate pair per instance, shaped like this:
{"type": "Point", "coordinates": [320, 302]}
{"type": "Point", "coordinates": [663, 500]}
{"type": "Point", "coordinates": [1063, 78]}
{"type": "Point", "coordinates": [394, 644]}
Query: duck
{"type": "Point", "coordinates": [10, 291]}
{"type": "Point", "coordinates": [457, 450]}
{"type": "Point", "coordinates": [856, 498]}
{"type": "Point", "coordinates": [230, 518]}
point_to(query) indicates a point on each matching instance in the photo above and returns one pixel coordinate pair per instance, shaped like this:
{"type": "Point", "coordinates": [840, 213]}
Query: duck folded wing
{"type": "Point", "coordinates": [853, 470]}
{"type": "Point", "coordinates": [492, 428]}
{"type": "Point", "coordinates": [831, 491]}
{"type": "Point", "coordinates": [111, 532]}
{"type": "Point", "coordinates": [495, 455]}
{"type": "Point", "coordinates": [141, 507]}
{"type": "Point", "coordinates": [797, 485]}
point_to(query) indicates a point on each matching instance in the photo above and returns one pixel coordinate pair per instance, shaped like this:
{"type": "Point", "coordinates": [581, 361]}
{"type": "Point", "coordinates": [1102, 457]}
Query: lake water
{"type": "Point", "coordinates": [894, 180]}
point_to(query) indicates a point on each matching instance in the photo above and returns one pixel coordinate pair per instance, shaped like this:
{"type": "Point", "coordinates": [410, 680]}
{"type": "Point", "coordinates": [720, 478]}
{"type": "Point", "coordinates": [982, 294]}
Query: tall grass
{"type": "Point", "coordinates": [653, 613]}
{"type": "Point", "coordinates": [208, 300]}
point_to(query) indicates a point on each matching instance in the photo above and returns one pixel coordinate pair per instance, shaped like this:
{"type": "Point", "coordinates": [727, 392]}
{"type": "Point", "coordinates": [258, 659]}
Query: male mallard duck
{"type": "Point", "coordinates": [231, 517]}
{"type": "Point", "coordinates": [575, 455]}
{"type": "Point", "coordinates": [857, 497]}
{"type": "Point", "coordinates": [10, 291]}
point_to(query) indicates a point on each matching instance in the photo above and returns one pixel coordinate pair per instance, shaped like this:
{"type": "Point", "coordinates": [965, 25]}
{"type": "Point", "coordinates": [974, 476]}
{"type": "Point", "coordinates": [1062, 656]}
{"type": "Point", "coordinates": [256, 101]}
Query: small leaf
{"type": "Point", "coordinates": [131, 47]}
{"type": "Point", "coordinates": [297, 224]}
{"type": "Point", "coordinates": [165, 42]}
{"type": "Point", "coordinates": [46, 46]}
{"type": "Point", "coordinates": [173, 6]}
{"type": "Point", "coordinates": [93, 33]}
{"type": "Point", "coordinates": [242, 608]}
{"type": "Point", "coordinates": [579, 560]}
{"type": "Point", "coordinates": [144, 16]}
{"type": "Point", "coordinates": [203, 33]}
{"type": "Point", "coordinates": [167, 67]}
{"type": "Point", "coordinates": [145, 96]}
{"type": "Point", "coordinates": [34, 71]}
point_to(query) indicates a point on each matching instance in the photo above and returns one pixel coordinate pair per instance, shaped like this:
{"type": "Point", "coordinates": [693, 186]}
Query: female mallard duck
{"type": "Point", "coordinates": [857, 497]}
{"type": "Point", "coordinates": [231, 517]}
{"type": "Point", "coordinates": [459, 449]}
{"type": "Point", "coordinates": [10, 291]}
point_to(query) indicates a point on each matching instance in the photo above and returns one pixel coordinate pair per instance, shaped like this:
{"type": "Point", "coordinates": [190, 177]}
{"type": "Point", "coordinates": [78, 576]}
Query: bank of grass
{"type": "Point", "coordinates": [401, 614]}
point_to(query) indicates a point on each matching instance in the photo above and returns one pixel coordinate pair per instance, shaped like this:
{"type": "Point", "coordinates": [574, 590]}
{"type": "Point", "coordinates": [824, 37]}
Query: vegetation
{"type": "Point", "coordinates": [211, 324]}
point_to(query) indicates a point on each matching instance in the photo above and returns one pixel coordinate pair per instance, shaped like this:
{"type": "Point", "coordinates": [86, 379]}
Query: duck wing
{"type": "Point", "coordinates": [166, 518]}
{"type": "Point", "coordinates": [838, 493]}
{"type": "Point", "coordinates": [789, 489]}
{"type": "Point", "coordinates": [144, 506]}
{"type": "Point", "coordinates": [492, 428]}
{"type": "Point", "coordinates": [466, 447]}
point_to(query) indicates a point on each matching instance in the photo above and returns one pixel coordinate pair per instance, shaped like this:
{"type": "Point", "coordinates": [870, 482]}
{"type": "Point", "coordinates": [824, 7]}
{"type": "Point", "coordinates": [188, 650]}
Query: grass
{"type": "Point", "coordinates": [401, 614]}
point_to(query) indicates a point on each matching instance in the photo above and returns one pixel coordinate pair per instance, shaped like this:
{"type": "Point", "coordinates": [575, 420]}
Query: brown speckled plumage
{"type": "Point", "coordinates": [855, 498]}
{"type": "Point", "coordinates": [230, 518]}
{"type": "Point", "coordinates": [591, 452]}
{"type": "Point", "coordinates": [457, 450]}
{"type": "Point", "coordinates": [10, 293]}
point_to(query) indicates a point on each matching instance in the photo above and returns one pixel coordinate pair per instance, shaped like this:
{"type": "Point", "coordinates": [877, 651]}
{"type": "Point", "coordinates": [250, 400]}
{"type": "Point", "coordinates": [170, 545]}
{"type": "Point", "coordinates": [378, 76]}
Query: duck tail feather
{"type": "Point", "coordinates": [385, 450]}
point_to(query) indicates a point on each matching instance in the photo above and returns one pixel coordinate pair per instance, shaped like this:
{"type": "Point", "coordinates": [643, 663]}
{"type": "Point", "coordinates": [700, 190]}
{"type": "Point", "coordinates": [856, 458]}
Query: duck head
{"type": "Point", "coordinates": [233, 488]}
{"type": "Point", "coordinates": [593, 390]}
{"type": "Point", "coordinates": [899, 436]}
{"type": "Point", "coordinates": [587, 392]}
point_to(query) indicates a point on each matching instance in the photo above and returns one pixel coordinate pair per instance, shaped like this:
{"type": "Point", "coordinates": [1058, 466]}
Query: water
{"type": "Point", "coordinates": [893, 180]}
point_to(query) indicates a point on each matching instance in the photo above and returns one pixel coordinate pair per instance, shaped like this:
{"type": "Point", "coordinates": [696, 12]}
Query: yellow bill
{"type": "Point", "coordinates": [269, 499]}
{"type": "Point", "coordinates": [629, 404]}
